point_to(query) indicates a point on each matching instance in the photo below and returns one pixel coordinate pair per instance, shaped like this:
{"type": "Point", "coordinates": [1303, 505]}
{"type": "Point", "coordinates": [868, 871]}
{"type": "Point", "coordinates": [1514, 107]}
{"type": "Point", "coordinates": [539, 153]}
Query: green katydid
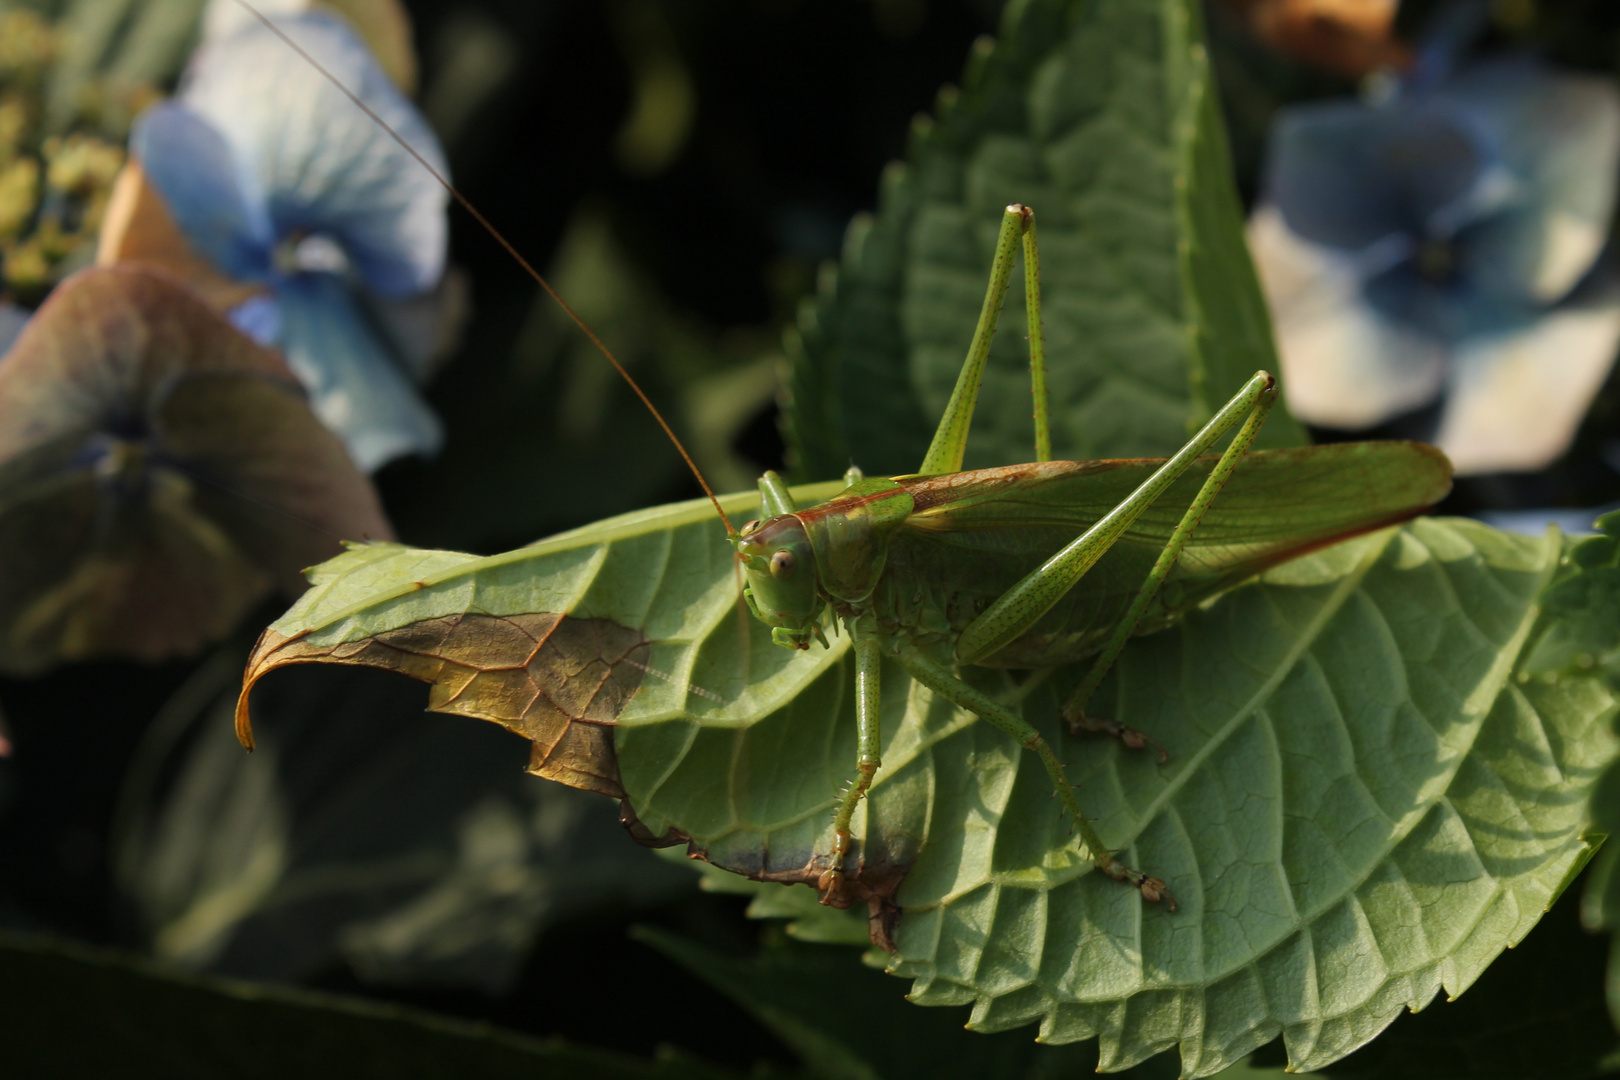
{"type": "Point", "coordinates": [941, 567]}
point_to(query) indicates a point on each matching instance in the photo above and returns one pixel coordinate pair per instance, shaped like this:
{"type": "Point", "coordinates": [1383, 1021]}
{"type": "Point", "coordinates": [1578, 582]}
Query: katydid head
{"type": "Point", "coordinates": [781, 570]}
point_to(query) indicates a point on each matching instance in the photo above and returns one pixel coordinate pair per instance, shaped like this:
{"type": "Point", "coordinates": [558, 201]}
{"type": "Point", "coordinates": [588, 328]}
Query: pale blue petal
{"type": "Point", "coordinates": [1446, 34]}
{"type": "Point", "coordinates": [422, 331]}
{"type": "Point", "coordinates": [1348, 175]}
{"type": "Point", "coordinates": [1514, 400]}
{"type": "Point", "coordinates": [354, 386]}
{"type": "Point", "coordinates": [219, 207]}
{"type": "Point", "coordinates": [324, 165]}
{"type": "Point", "coordinates": [259, 317]}
{"type": "Point", "coordinates": [1449, 308]}
{"type": "Point", "coordinates": [1343, 364]}
{"type": "Point", "coordinates": [1535, 522]}
{"type": "Point", "coordinates": [1557, 134]}
{"type": "Point", "coordinates": [1531, 254]}
{"type": "Point", "coordinates": [222, 18]}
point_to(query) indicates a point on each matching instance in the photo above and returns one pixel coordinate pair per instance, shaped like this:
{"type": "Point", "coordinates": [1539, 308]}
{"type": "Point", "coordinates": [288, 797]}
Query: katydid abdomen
{"type": "Point", "coordinates": [971, 536]}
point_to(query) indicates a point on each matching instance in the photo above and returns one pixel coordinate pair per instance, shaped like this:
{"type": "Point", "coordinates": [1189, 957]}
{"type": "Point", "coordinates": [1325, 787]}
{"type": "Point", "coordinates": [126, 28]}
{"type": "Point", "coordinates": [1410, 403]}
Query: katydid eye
{"type": "Point", "coordinates": [782, 563]}
{"type": "Point", "coordinates": [750, 528]}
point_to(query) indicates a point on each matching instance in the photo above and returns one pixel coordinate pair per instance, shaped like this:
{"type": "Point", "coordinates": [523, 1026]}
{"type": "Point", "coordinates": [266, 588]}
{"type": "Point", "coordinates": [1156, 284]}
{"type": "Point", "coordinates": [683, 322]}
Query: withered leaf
{"type": "Point", "coordinates": [159, 472]}
{"type": "Point", "coordinates": [559, 682]}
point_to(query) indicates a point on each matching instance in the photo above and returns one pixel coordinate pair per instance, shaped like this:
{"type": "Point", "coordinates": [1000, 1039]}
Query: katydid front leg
{"type": "Point", "coordinates": [869, 743]}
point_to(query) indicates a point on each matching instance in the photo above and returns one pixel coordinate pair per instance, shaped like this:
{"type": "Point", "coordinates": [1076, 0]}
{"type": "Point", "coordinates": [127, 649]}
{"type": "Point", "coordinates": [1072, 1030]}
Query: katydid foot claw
{"type": "Point", "coordinates": [830, 884]}
{"type": "Point", "coordinates": [1152, 889]}
{"type": "Point", "coordinates": [831, 881]}
{"type": "Point", "coordinates": [1132, 738]}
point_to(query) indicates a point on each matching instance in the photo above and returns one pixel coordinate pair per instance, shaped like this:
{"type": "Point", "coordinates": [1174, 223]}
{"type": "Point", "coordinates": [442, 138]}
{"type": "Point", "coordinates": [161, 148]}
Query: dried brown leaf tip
{"type": "Point", "coordinates": [159, 472]}
{"type": "Point", "coordinates": [558, 681]}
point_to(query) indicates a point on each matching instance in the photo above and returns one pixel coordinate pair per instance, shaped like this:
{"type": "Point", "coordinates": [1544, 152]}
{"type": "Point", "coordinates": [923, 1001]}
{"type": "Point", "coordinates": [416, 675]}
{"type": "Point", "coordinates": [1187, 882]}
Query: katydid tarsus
{"type": "Point", "coordinates": [1036, 565]}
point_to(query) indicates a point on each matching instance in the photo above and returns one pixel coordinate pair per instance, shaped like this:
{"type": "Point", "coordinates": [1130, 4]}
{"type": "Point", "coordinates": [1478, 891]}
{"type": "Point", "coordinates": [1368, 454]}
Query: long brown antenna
{"type": "Point", "coordinates": [467, 205]}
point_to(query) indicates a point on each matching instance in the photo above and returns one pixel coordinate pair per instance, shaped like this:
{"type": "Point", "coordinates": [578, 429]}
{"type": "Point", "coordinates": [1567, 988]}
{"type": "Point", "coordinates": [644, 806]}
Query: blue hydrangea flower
{"type": "Point", "coordinates": [1447, 243]}
{"type": "Point", "coordinates": [276, 178]}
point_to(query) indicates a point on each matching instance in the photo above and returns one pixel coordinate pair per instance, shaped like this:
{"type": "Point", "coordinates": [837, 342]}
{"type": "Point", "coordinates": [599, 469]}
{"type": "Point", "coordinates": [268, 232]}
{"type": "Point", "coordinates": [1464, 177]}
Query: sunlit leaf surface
{"type": "Point", "coordinates": [1362, 806]}
{"type": "Point", "coordinates": [1582, 637]}
{"type": "Point", "coordinates": [158, 474]}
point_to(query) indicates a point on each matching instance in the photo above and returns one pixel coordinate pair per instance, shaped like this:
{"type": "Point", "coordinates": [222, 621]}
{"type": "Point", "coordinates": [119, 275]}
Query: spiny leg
{"type": "Point", "coordinates": [950, 440]}
{"type": "Point", "coordinates": [1074, 708]}
{"type": "Point", "coordinates": [1037, 339]}
{"type": "Point", "coordinates": [943, 682]}
{"type": "Point", "coordinates": [869, 741]}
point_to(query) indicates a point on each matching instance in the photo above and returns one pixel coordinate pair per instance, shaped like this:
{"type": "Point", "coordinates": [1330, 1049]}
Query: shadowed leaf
{"type": "Point", "coordinates": [875, 1034]}
{"type": "Point", "coordinates": [363, 832]}
{"type": "Point", "coordinates": [154, 1023]}
{"type": "Point", "coordinates": [1581, 635]}
{"type": "Point", "coordinates": [1538, 1012]}
{"type": "Point", "coordinates": [158, 473]}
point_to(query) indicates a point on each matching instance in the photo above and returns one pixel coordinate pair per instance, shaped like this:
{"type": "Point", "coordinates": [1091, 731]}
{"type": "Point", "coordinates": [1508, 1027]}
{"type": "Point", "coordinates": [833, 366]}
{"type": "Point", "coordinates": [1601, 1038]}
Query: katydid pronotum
{"type": "Point", "coordinates": [1067, 559]}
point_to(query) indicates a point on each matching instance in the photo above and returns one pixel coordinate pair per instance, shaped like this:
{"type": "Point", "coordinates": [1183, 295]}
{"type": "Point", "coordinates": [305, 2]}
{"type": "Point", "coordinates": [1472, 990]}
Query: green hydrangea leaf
{"type": "Point", "coordinates": [1102, 117]}
{"type": "Point", "coordinates": [1580, 635]}
{"type": "Point", "coordinates": [1539, 1011]}
{"type": "Point", "coordinates": [1363, 805]}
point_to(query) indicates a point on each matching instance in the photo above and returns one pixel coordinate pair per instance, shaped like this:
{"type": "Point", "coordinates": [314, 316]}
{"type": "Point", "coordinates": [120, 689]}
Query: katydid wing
{"type": "Point", "coordinates": [978, 532]}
